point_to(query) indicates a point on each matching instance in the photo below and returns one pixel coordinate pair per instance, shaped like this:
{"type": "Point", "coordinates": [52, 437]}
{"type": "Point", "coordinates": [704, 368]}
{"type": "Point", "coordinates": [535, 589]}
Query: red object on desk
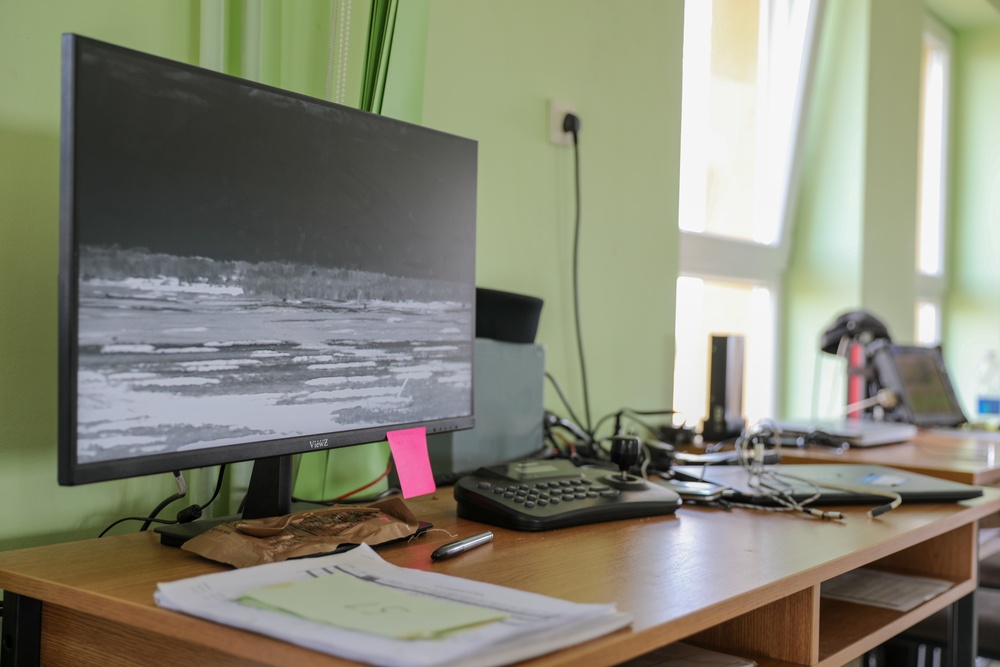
{"type": "Point", "coordinates": [855, 376]}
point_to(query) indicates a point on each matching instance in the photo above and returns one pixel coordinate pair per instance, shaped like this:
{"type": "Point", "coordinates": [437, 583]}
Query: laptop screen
{"type": "Point", "coordinates": [919, 378]}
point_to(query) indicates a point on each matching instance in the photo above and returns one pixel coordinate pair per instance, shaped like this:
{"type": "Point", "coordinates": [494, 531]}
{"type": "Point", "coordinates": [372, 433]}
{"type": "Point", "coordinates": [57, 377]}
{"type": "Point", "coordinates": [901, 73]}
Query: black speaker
{"type": "Point", "coordinates": [507, 317]}
{"type": "Point", "coordinates": [725, 389]}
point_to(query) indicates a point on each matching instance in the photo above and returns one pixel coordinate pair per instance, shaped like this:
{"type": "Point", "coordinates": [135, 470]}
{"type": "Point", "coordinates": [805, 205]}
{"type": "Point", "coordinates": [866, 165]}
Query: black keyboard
{"type": "Point", "coordinates": [541, 494]}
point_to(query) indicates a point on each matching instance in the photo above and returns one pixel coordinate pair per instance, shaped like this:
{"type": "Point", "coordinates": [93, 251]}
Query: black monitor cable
{"type": "Point", "coordinates": [634, 415]}
{"type": "Point", "coordinates": [194, 512]}
{"type": "Point", "coordinates": [580, 430]}
{"type": "Point", "coordinates": [186, 515]}
{"type": "Point", "coordinates": [151, 518]}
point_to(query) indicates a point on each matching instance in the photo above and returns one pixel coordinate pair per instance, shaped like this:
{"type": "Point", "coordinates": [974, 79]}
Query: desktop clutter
{"type": "Point", "coordinates": [566, 475]}
{"type": "Point", "coordinates": [227, 354]}
{"type": "Point", "coordinates": [516, 472]}
{"type": "Point", "coordinates": [580, 477]}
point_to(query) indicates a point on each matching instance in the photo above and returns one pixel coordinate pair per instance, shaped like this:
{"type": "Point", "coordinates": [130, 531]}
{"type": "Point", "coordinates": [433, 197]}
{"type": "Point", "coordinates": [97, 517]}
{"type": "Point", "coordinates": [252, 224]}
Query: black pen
{"type": "Point", "coordinates": [461, 546]}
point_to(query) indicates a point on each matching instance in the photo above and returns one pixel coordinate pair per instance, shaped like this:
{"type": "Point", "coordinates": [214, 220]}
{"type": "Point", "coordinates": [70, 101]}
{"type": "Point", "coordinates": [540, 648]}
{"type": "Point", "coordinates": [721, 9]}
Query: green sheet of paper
{"type": "Point", "coordinates": [348, 602]}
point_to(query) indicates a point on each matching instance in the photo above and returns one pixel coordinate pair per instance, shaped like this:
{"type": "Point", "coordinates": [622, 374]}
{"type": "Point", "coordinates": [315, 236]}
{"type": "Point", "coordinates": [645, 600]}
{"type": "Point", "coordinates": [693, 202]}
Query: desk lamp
{"type": "Point", "coordinates": [849, 336]}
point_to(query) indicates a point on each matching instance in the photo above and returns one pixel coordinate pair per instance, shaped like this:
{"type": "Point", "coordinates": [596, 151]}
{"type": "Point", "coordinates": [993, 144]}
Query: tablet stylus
{"type": "Point", "coordinates": [455, 548]}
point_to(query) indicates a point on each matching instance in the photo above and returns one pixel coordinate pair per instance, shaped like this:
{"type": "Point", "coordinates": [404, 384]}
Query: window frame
{"type": "Point", "coordinates": [931, 287]}
{"type": "Point", "coordinates": [712, 257]}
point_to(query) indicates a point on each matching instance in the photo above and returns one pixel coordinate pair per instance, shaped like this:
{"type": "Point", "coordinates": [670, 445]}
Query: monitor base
{"type": "Point", "coordinates": [176, 534]}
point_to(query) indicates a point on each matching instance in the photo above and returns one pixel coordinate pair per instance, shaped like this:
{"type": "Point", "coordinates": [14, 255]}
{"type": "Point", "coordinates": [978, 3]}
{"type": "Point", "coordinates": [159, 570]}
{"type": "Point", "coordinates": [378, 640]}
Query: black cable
{"type": "Point", "coordinates": [181, 492]}
{"type": "Point", "coordinates": [147, 519]}
{"type": "Point", "coordinates": [562, 397]}
{"type": "Point", "coordinates": [218, 486]}
{"type": "Point", "coordinates": [184, 516]}
{"type": "Point", "coordinates": [194, 512]}
{"type": "Point", "coordinates": [634, 415]}
{"type": "Point", "coordinates": [572, 124]}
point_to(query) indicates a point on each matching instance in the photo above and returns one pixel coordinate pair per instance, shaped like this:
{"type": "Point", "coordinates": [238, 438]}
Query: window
{"type": "Point", "coordinates": [742, 69]}
{"type": "Point", "coordinates": [936, 59]}
{"type": "Point", "coordinates": [935, 93]}
{"type": "Point", "coordinates": [728, 308]}
{"type": "Point", "coordinates": [928, 319]}
{"type": "Point", "coordinates": [745, 67]}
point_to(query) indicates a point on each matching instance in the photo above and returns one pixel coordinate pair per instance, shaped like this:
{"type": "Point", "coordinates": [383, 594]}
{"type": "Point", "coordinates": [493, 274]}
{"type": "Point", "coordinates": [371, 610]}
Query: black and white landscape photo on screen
{"type": "Point", "coordinates": [185, 352]}
{"type": "Point", "coordinates": [255, 265]}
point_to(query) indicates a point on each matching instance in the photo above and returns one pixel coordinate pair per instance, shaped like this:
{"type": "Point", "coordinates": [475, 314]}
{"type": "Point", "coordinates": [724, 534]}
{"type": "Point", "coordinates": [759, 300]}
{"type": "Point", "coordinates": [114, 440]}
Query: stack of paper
{"type": "Point", "coordinates": [876, 588]}
{"type": "Point", "coordinates": [357, 606]}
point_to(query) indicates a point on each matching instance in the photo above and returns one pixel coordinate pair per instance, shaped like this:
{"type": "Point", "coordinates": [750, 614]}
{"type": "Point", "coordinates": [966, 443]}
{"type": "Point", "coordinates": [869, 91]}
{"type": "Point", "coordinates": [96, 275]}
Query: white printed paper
{"type": "Point", "coordinates": [883, 589]}
{"type": "Point", "coordinates": [536, 624]}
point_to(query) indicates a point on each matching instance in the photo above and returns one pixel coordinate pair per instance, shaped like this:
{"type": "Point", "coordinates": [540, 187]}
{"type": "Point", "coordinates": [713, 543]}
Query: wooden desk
{"type": "Point", "coordinates": [962, 459]}
{"type": "Point", "coordinates": [742, 581]}
{"type": "Point", "coordinates": [958, 457]}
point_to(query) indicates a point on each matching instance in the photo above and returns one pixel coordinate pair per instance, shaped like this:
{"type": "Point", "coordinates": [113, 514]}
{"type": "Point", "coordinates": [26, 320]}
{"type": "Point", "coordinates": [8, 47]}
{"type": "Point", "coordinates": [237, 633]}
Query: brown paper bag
{"type": "Point", "coordinates": [308, 533]}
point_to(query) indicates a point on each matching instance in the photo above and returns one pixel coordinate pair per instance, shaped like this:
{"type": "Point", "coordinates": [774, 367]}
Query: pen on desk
{"type": "Point", "coordinates": [461, 546]}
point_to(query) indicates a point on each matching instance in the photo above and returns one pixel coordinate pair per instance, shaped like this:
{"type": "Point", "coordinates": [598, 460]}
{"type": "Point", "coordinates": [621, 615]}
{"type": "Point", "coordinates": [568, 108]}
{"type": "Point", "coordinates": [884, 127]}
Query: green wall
{"type": "Point", "coordinates": [491, 69]}
{"type": "Point", "coordinates": [33, 508]}
{"type": "Point", "coordinates": [854, 237]}
{"type": "Point", "coordinates": [973, 324]}
{"type": "Point", "coordinates": [281, 44]}
{"type": "Point", "coordinates": [825, 268]}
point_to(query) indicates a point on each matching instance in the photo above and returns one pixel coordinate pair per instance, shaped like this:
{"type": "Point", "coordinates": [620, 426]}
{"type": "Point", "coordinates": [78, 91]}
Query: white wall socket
{"type": "Point", "coordinates": [557, 112]}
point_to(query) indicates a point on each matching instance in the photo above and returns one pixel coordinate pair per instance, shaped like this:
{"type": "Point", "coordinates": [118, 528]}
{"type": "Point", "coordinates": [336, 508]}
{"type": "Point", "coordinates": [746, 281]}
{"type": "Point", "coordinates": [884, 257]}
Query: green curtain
{"type": "Point", "coordinates": [381, 25]}
{"type": "Point", "coordinates": [335, 473]}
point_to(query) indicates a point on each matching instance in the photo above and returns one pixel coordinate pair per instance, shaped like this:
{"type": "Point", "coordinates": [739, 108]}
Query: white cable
{"type": "Point", "coordinates": [330, 56]}
{"type": "Point", "coordinates": [777, 487]}
{"type": "Point", "coordinates": [345, 40]}
{"type": "Point", "coordinates": [181, 484]}
{"type": "Point", "coordinates": [884, 397]}
{"type": "Point", "coordinates": [338, 49]}
{"type": "Point", "coordinates": [771, 484]}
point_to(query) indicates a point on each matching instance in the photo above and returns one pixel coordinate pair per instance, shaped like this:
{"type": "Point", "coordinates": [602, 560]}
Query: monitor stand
{"type": "Point", "coordinates": [269, 494]}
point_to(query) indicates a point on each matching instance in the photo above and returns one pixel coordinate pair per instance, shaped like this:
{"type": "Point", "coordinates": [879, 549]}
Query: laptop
{"type": "Point", "coordinates": [867, 484]}
{"type": "Point", "coordinates": [855, 432]}
{"type": "Point", "coordinates": [919, 378]}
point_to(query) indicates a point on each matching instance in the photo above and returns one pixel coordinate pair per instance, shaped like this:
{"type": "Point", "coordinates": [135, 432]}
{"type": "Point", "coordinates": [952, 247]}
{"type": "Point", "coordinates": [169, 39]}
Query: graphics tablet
{"type": "Point", "coordinates": [918, 377]}
{"type": "Point", "coordinates": [868, 484]}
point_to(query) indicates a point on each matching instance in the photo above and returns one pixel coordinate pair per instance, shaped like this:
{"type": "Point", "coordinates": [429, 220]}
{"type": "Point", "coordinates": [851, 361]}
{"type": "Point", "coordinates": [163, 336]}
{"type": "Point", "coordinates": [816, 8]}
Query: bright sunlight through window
{"type": "Point", "coordinates": [722, 308]}
{"type": "Point", "coordinates": [933, 125]}
{"type": "Point", "coordinates": [742, 65]}
{"type": "Point", "coordinates": [744, 71]}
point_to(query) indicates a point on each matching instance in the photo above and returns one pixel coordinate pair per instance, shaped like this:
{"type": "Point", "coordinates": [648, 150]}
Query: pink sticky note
{"type": "Point", "coordinates": [409, 451]}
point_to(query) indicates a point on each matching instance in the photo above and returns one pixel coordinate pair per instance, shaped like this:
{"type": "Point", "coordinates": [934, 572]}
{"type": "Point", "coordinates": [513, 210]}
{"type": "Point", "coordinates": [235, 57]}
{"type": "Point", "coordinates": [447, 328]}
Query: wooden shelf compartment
{"type": "Point", "coordinates": [806, 629]}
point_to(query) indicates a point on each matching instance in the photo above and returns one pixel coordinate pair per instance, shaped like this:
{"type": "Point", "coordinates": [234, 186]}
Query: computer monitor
{"type": "Point", "coordinates": [919, 380]}
{"type": "Point", "coordinates": [247, 273]}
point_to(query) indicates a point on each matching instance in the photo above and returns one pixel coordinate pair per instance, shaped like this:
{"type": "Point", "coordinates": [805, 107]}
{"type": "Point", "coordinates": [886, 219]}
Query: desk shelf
{"type": "Point", "coordinates": [807, 629]}
{"type": "Point", "coordinates": [989, 542]}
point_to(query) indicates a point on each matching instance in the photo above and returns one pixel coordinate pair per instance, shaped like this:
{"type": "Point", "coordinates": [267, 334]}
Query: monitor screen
{"type": "Point", "coordinates": [248, 273]}
{"type": "Point", "coordinates": [919, 379]}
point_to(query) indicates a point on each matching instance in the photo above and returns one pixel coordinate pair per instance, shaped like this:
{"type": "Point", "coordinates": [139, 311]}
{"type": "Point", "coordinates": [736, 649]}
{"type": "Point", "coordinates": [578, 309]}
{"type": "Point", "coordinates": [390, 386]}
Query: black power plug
{"type": "Point", "coordinates": [571, 123]}
{"type": "Point", "coordinates": [189, 514]}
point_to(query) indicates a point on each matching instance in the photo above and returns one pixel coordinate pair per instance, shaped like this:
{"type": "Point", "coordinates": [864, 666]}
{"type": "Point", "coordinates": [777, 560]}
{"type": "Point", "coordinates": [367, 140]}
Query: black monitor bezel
{"type": "Point", "coordinates": [70, 471]}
